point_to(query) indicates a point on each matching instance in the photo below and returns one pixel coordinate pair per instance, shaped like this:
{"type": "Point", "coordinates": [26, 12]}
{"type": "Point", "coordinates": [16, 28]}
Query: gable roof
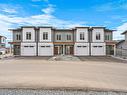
{"type": "Point", "coordinates": [124, 32]}
{"type": "Point", "coordinates": [121, 41]}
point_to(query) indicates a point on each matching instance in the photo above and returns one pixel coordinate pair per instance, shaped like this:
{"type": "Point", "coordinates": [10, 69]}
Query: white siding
{"type": "Point", "coordinates": [126, 37]}
{"type": "Point", "coordinates": [98, 30]}
{"type": "Point", "coordinates": [28, 49]}
{"type": "Point", "coordinates": [81, 49]}
{"type": "Point", "coordinates": [25, 30]}
{"type": "Point", "coordinates": [41, 34]}
{"type": "Point", "coordinates": [85, 30]}
{"type": "Point", "coordinates": [45, 49]}
{"type": "Point", "coordinates": [98, 49]}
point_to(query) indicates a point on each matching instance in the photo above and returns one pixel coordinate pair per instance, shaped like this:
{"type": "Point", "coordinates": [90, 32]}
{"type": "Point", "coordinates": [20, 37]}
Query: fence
{"type": "Point", "coordinates": [121, 52]}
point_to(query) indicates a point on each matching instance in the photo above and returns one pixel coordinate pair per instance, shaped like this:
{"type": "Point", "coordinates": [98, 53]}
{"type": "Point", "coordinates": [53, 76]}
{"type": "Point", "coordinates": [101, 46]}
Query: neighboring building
{"type": "Point", "coordinates": [49, 41]}
{"type": "Point", "coordinates": [122, 46]}
{"type": "Point", "coordinates": [2, 45]}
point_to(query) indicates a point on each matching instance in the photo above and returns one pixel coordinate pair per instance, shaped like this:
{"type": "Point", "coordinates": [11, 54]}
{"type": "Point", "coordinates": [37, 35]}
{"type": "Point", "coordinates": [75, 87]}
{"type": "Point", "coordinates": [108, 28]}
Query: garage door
{"type": "Point", "coordinates": [28, 49]}
{"type": "Point", "coordinates": [45, 49]}
{"type": "Point", "coordinates": [98, 49]}
{"type": "Point", "coordinates": [81, 50]}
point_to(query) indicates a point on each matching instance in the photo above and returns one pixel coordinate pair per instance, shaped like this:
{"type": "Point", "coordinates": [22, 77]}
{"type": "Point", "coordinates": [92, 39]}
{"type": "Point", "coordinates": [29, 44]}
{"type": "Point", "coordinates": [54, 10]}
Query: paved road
{"type": "Point", "coordinates": [30, 73]}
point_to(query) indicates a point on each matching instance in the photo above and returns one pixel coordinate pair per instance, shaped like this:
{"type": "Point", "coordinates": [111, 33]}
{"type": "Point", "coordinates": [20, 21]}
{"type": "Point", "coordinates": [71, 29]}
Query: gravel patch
{"type": "Point", "coordinates": [55, 92]}
{"type": "Point", "coordinates": [64, 58]}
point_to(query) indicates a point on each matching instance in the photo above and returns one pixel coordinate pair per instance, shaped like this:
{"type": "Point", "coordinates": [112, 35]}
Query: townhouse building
{"type": "Point", "coordinates": [2, 44]}
{"type": "Point", "coordinates": [49, 41]}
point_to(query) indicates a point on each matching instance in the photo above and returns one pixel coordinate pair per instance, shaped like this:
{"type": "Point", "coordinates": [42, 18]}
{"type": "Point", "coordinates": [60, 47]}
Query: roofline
{"type": "Point", "coordinates": [120, 42]}
{"type": "Point", "coordinates": [98, 27]}
{"type": "Point", "coordinates": [124, 32]}
{"type": "Point", "coordinates": [3, 36]}
{"type": "Point", "coordinates": [44, 27]}
{"type": "Point", "coordinates": [82, 27]}
{"type": "Point", "coordinates": [53, 28]}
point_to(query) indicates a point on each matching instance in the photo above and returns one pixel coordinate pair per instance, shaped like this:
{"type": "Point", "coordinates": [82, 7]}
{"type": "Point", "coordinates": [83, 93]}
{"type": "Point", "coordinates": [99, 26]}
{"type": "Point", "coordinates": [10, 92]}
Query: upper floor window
{"type": "Point", "coordinates": [98, 36]}
{"type": "Point", "coordinates": [18, 37]}
{"type": "Point", "coordinates": [45, 35]}
{"type": "Point", "coordinates": [82, 36]}
{"type": "Point", "coordinates": [28, 35]}
{"type": "Point", "coordinates": [58, 37]}
{"type": "Point", "coordinates": [68, 37]}
{"type": "Point", "coordinates": [107, 37]}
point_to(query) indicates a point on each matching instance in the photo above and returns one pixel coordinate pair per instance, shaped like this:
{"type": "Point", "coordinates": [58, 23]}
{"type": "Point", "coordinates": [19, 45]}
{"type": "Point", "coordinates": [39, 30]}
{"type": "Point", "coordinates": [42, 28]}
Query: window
{"type": "Point", "coordinates": [58, 37]}
{"type": "Point", "coordinates": [47, 46]}
{"type": "Point", "coordinates": [31, 46]}
{"type": "Point", "coordinates": [108, 37]}
{"type": "Point", "coordinates": [98, 36]}
{"type": "Point", "coordinates": [43, 46]}
{"type": "Point", "coordinates": [26, 46]}
{"type": "Point", "coordinates": [45, 35]}
{"type": "Point", "coordinates": [82, 36]}
{"type": "Point", "coordinates": [18, 37]}
{"type": "Point", "coordinates": [100, 46]}
{"type": "Point", "coordinates": [95, 46]}
{"type": "Point", "coordinates": [79, 46]}
{"type": "Point", "coordinates": [68, 37]}
{"type": "Point", "coordinates": [28, 35]}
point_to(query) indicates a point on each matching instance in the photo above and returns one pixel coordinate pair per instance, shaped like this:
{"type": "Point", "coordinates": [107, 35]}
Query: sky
{"type": "Point", "coordinates": [111, 14]}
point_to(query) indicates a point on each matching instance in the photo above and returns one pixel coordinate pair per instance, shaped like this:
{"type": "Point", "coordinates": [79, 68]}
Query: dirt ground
{"type": "Point", "coordinates": [38, 73]}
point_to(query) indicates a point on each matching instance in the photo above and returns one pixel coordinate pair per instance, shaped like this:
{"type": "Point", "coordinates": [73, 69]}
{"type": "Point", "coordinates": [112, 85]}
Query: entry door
{"type": "Point", "coordinates": [16, 49]}
{"type": "Point", "coordinates": [56, 50]}
{"type": "Point", "coordinates": [69, 50]}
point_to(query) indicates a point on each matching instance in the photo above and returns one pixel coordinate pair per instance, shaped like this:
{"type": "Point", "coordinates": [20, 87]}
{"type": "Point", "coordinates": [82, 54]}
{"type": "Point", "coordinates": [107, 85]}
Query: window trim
{"type": "Point", "coordinates": [28, 35]}
{"type": "Point", "coordinates": [82, 36]}
{"type": "Point", "coordinates": [45, 35]}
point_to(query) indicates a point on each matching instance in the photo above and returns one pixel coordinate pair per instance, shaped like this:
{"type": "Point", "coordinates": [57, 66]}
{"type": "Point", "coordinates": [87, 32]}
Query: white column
{"type": "Point", "coordinates": [63, 49]}
{"type": "Point", "coordinates": [114, 50]}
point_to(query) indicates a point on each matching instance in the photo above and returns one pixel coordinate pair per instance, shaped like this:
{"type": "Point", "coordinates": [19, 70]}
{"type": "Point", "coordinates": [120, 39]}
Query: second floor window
{"type": "Point", "coordinates": [18, 37]}
{"type": "Point", "coordinates": [98, 36]}
{"type": "Point", "coordinates": [45, 35]}
{"type": "Point", "coordinates": [28, 35]}
{"type": "Point", "coordinates": [107, 37]}
{"type": "Point", "coordinates": [58, 37]}
{"type": "Point", "coordinates": [68, 37]}
{"type": "Point", "coordinates": [82, 36]}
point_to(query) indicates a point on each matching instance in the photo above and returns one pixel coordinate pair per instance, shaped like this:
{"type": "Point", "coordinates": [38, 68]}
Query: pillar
{"type": "Point", "coordinates": [114, 50]}
{"type": "Point", "coordinates": [63, 49]}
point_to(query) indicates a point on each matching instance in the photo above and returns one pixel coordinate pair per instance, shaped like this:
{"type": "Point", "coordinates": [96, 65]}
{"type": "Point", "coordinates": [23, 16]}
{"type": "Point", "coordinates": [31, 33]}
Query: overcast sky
{"type": "Point", "coordinates": [63, 14]}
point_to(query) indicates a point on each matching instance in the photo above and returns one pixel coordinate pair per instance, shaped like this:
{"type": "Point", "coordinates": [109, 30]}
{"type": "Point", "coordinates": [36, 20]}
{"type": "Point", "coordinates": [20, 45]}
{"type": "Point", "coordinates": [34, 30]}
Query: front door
{"type": "Point", "coordinates": [55, 50]}
{"type": "Point", "coordinates": [69, 50]}
{"type": "Point", "coordinates": [16, 49]}
{"type": "Point", "coordinates": [58, 50]}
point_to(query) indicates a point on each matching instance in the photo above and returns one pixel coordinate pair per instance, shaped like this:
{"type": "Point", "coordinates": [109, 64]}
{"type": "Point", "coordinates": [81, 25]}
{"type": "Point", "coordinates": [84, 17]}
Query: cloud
{"type": "Point", "coordinates": [44, 19]}
{"type": "Point", "coordinates": [49, 10]}
{"type": "Point", "coordinates": [120, 29]}
{"type": "Point", "coordinates": [10, 9]}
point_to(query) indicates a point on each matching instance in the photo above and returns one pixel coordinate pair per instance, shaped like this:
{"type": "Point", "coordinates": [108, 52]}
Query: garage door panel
{"type": "Point", "coordinates": [98, 49]}
{"type": "Point", "coordinates": [28, 49]}
{"type": "Point", "coordinates": [45, 49]}
{"type": "Point", "coordinates": [81, 49]}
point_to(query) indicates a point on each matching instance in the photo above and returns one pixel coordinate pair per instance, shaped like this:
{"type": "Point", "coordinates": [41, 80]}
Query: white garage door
{"type": "Point", "coordinates": [81, 49]}
{"type": "Point", "coordinates": [45, 49]}
{"type": "Point", "coordinates": [98, 49]}
{"type": "Point", "coordinates": [28, 49]}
